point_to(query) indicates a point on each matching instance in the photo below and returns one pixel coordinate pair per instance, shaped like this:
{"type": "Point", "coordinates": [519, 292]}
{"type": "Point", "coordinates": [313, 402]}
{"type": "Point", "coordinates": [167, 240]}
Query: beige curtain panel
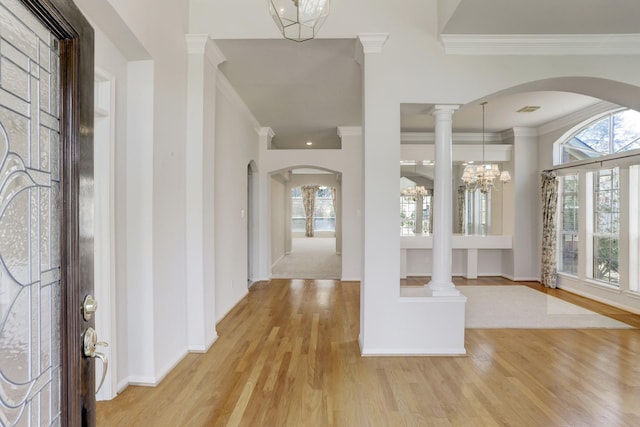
{"type": "Point", "coordinates": [309, 203]}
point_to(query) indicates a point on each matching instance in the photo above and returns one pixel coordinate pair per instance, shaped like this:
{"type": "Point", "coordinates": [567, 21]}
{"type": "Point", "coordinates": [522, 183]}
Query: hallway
{"type": "Point", "coordinates": [288, 356]}
{"type": "Point", "coordinates": [310, 258]}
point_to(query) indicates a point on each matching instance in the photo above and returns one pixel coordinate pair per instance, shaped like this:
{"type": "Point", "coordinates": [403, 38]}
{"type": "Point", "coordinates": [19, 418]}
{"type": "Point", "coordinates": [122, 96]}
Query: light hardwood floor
{"type": "Point", "coordinates": [288, 356]}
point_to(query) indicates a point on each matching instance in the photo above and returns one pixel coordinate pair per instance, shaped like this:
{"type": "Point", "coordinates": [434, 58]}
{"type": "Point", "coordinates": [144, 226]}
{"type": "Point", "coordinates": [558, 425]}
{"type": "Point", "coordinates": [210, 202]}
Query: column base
{"type": "Point", "coordinates": [439, 290]}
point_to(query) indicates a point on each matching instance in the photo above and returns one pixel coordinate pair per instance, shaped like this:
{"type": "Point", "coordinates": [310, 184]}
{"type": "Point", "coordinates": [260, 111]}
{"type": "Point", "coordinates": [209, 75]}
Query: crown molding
{"type": "Point", "coordinates": [201, 44]}
{"type": "Point", "coordinates": [457, 137]}
{"type": "Point", "coordinates": [230, 93]}
{"type": "Point", "coordinates": [541, 44]}
{"type": "Point", "coordinates": [349, 131]}
{"type": "Point", "coordinates": [267, 132]}
{"type": "Point", "coordinates": [372, 42]}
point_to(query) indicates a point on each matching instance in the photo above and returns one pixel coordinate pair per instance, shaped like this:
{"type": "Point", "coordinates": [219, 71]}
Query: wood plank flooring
{"type": "Point", "coordinates": [288, 356]}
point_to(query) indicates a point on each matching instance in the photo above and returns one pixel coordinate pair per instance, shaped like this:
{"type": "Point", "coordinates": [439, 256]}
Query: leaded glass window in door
{"type": "Point", "coordinates": [29, 220]}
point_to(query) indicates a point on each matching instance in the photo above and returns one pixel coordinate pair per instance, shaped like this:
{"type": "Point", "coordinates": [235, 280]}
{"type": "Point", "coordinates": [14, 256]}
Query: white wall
{"type": "Point", "coordinates": [152, 161]}
{"type": "Point", "coordinates": [110, 60]}
{"type": "Point", "coordinates": [278, 219]}
{"type": "Point", "coordinates": [236, 145]}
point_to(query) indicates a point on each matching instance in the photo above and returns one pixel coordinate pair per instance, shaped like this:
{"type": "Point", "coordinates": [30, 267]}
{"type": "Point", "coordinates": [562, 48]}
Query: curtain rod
{"type": "Point", "coordinates": [636, 153]}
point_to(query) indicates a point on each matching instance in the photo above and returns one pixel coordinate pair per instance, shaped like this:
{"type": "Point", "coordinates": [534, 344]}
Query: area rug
{"type": "Point", "coordinates": [523, 307]}
{"type": "Point", "coordinates": [310, 258]}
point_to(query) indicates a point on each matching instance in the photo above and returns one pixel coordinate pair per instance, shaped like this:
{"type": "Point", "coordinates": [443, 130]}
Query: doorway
{"type": "Point", "coordinates": [306, 224]}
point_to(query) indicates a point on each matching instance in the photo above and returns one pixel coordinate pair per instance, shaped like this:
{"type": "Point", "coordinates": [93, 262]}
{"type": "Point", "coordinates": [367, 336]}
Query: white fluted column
{"type": "Point", "coordinates": [441, 284]}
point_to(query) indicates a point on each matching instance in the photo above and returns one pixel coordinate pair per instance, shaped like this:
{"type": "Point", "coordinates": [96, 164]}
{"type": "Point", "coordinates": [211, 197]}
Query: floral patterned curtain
{"type": "Point", "coordinates": [549, 241]}
{"type": "Point", "coordinates": [461, 208]}
{"type": "Point", "coordinates": [309, 202]}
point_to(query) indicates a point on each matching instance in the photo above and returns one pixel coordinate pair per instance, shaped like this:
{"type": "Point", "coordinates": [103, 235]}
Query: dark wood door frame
{"type": "Point", "coordinates": [65, 20]}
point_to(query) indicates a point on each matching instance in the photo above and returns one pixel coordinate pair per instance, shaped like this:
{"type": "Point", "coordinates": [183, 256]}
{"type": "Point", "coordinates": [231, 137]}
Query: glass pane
{"type": "Point", "coordinates": [29, 221]}
{"type": "Point", "coordinates": [594, 137]}
{"type": "Point", "coordinates": [626, 130]}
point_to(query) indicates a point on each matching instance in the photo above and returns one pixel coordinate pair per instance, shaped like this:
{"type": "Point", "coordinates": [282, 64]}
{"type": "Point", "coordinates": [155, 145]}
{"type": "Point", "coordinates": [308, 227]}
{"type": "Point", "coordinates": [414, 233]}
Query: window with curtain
{"type": "Point", "coordinates": [569, 215]}
{"type": "Point", "coordinates": [324, 213]}
{"type": "Point", "coordinates": [606, 225]}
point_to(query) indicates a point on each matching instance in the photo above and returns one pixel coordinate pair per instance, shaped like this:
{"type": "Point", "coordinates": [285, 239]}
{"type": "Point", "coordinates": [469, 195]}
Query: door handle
{"type": "Point", "coordinates": [90, 342]}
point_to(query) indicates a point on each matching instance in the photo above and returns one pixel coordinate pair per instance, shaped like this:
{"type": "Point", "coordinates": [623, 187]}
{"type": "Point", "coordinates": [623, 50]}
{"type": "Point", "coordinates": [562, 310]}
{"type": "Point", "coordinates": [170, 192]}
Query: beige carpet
{"type": "Point", "coordinates": [310, 258]}
{"type": "Point", "coordinates": [523, 307]}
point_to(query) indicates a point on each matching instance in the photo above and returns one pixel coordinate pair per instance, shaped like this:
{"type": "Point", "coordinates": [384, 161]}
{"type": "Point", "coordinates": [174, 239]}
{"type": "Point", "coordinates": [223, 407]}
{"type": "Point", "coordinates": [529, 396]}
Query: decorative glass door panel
{"type": "Point", "coordinates": [30, 215]}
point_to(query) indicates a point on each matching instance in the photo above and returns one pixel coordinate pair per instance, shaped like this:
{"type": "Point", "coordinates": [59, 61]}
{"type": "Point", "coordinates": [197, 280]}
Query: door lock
{"type": "Point", "coordinates": [90, 342]}
{"type": "Point", "coordinates": [89, 307]}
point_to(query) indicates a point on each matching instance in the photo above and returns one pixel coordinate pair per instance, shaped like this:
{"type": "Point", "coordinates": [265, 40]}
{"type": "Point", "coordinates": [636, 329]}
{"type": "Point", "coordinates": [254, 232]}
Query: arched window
{"type": "Point", "coordinates": [613, 133]}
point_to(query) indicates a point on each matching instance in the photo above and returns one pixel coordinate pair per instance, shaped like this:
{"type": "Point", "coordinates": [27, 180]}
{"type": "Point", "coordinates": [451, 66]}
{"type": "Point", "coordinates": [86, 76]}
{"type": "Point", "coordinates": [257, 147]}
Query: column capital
{"type": "Point", "coordinates": [372, 42]}
{"type": "Point", "coordinates": [349, 131]}
{"type": "Point", "coordinates": [444, 108]}
{"type": "Point", "coordinates": [201, 44]}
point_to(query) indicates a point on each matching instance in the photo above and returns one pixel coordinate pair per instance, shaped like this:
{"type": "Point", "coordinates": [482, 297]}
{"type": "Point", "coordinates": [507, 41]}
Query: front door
{"type": "Point", "coordinates": [46, 229]}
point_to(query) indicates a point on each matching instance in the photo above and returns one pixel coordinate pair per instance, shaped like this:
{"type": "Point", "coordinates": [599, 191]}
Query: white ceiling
{"type": "Point", "coordinates": [304, 91]}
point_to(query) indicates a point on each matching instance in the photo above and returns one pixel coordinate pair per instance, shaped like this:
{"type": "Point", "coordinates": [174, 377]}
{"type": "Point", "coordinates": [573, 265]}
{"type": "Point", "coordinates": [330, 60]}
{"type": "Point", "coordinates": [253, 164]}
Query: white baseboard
{"type": "Point", "coordinates": [232, 307]}
{"type": "Point", "coordinates": [278, 260]}
{"type": "Point", "coordinates": [122, 385]}
{"type": "Point", "coordinates": [142, 381]}
{"type": "Point", "coordinates": [350, 279]}
{"type": "Point", "coordinates": [204, 348]}
{"type": "Point", "coordinates": [591, 296]}
{"type": "Point", "coordinates": [520, 278]}
{"type": "Point", "coordinates": [413, 352]}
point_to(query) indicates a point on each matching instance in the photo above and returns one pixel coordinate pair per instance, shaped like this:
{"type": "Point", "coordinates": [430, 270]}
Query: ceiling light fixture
{"type": "Point", "coordinates": [484, 175]}
{"type": "Point", "coordinates": [299, 20]}
{"type": "Point", "coordinates": [309, 143]}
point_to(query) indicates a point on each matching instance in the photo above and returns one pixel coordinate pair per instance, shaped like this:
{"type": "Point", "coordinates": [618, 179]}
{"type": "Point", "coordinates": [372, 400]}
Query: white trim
{"type": "Point", "coordinates": [372, 352]}
{"type": "Point", "coordinates": [597, 298]}
{"type": "Point", "coordinates": [349, 131]}
{"type": "Point", "coordinates": [201, 44]}
{"type": "Point", "coordinates": [541, 44]}
{"type": "Point", "coordinates": [104, 223]}
{"type": "Point", "coordinates": [457, 137]}
{"type": "Point", "coordinates": [225, 88]}
{"type": "Point", "coordinates": [221, 318]}
{"type": "Point", "coordinates": [570, 120]}
{"type": "Point", "coordinates": [278, 260]}
{"type": "Point", "coordinates": [204, 348]}
{"type": "Point", "coordinates": [372, 42]}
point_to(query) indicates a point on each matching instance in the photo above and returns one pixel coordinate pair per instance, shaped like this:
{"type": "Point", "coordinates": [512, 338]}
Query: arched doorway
{"type": "Point", "coordinates": [306, 224]}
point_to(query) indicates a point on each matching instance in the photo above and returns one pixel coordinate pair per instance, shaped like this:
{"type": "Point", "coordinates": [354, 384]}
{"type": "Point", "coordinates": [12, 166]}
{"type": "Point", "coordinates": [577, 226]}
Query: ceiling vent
{"type": "Point", "coordinates": [528, 109]}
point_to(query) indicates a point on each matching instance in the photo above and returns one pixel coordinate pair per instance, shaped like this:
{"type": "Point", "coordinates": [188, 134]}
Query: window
{"type": "Point", "coordinates": [478, 212]}
{"type": "Point", "coordinates": [407, 215]}
{"type": "Point", "coordinates": [568, 236]}
{"type": "Point", "coordinates": [614, 133]}
{"type": "Point", "coordinates": [606, 225]}
{"type": "Point", "coordinates": [324, 217]}
{"type": "Point", "coordinates": [634, 228]}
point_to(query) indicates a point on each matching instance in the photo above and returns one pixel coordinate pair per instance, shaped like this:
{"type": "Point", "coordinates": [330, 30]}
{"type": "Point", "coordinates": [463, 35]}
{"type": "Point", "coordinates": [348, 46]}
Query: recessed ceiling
{"type": "Point", "coordinates": [303, 91]}
{"type": "Point", "coordinates": [500, 113]}
{"type": "Point", "coordinates": [544, 17]}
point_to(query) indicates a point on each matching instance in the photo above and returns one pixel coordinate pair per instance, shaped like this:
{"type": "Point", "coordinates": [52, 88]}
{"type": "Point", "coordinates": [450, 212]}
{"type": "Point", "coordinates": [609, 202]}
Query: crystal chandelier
{"type": "Point", "coordinates": [299, 20]}
{"type": "Point", "coordinates": [484, 175]}
{"type": "Point", "coordinates": [414, 192]}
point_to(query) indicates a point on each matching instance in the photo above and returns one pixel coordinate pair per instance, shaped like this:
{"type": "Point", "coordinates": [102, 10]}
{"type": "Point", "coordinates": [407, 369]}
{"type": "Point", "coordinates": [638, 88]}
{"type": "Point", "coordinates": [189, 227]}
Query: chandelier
{"type": "Point", "coordinates": [299, 20]}
{"type": "Point", "coordinates": [483, 176]}
{"type": "Point", "coordinates": [414, 192]}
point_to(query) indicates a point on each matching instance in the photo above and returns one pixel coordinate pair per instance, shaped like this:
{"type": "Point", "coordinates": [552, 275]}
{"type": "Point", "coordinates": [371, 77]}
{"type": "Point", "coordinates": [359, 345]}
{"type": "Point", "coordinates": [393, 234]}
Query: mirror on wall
{"type": "Point", "coordinates": [476, 211]}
